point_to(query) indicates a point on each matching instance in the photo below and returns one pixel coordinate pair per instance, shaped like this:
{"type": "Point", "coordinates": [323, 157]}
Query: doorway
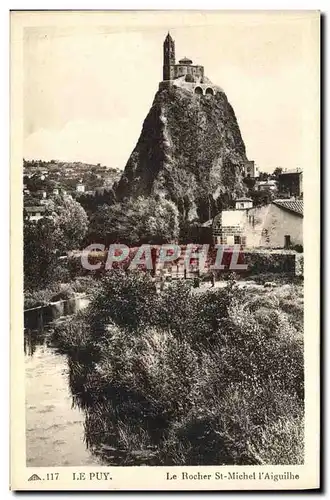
{"type": "Point", "coordinates": [287, 241]}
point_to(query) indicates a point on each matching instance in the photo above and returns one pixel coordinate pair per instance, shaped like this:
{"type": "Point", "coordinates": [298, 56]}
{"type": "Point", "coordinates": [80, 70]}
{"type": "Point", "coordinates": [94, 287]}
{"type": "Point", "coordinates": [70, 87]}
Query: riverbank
{"type": "Point", "coordinates": [176, 377]}
{"type": "Point", "coordinates": [54, 426]}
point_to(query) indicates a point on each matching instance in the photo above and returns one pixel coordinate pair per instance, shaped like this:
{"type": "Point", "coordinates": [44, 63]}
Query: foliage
{"type": "Point", "coordinates": [41, 266]}
{"type": "Point", "coordinates": [277, 171]}
{"type": "Point", "coordinates": [134, 222]}
{"type": "Point", "coordinates": [132, 298]}
{"type": "Point", "coordinates": [58, 291]}
{"type": "Point", "coordinates": [298, 248]}
{"type": "Point", "coordinates": [91, 202]}
{"type": "Point", "coordinates": [262, 197]}
{"type": "Point", "coordinates": [62, 229]}
{"type": "Point", "coordinates": [250, 182]}
{"type": "Point", "coordinates": [190, 377]}
{"type": "Point", "coordinates": [70, 221]}
{"type": "Point", "coordinates": [263, 176]}
{"type": "Point", "coordinates": [35, 298]}
{"type": "Point", "coordinates": [269, 262]}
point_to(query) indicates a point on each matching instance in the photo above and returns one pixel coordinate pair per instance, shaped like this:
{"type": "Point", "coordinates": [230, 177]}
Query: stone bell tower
{"type": "Point", "coordinates": [169, 57]}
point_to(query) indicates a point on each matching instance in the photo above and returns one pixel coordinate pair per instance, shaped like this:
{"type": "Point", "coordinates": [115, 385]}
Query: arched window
{"type": "Point", "coordinates": [198, 90]}
{"type": "Point", "coordinates": [209, 91]}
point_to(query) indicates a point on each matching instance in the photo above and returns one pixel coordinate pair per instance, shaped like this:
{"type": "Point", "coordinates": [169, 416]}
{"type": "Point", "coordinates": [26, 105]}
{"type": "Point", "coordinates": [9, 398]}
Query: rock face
{"type": "Point", "coordinates": [191, 151]}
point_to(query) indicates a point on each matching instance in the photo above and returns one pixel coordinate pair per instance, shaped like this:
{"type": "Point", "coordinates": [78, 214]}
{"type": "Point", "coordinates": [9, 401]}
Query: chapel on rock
{"type": "Point", "coordinates": [184, 74]}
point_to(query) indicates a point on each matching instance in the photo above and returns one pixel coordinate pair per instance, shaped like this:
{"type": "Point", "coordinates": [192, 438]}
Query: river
{"type": "Point", "coordinates": [54, 429]}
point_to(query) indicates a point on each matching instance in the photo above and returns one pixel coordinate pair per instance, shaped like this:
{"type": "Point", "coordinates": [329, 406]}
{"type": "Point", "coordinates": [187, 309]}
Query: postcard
{"type": "Point", "coordinates": [165, 237]}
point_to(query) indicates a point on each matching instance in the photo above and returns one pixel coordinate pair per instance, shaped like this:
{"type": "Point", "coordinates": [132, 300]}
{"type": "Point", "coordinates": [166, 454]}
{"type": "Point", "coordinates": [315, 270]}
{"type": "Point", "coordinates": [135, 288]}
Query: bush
{"type": "Point", "coordinates": [266, 263]}
{"type": "Point", "coordinates": [126, 299]}
{"type": "Point", "coordinates": [66, 292]}
{"type": "Point", "coordinates": [298, 248]}
{"type": "Point", "coordinates": [36, 298]}
{"type": "Point", "coordinates": [180, 377]}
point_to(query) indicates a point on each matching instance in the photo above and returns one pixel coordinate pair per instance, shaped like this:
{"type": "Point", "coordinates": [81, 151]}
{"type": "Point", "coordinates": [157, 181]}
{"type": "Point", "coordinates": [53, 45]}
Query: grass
{"type": "Point", "coordinates": [174, 378]}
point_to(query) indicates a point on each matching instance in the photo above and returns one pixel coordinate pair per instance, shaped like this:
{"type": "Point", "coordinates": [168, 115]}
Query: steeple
{"type": "Point", "coordinates": [169, 56]}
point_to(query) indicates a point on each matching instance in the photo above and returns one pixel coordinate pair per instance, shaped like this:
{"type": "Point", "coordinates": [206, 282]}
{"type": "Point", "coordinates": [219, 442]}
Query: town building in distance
{"type": "Point", "coordinates": [290, 182]}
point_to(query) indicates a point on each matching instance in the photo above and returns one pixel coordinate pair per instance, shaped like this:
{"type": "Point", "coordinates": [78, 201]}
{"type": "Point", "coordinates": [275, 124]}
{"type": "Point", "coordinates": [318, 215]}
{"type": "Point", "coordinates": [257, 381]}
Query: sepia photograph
{"type": "Point", "coordinates": [164, 165]}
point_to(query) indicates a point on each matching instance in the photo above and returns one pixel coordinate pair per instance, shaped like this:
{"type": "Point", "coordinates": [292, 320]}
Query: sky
{"type": "Point", "coordinates": [88, 86]}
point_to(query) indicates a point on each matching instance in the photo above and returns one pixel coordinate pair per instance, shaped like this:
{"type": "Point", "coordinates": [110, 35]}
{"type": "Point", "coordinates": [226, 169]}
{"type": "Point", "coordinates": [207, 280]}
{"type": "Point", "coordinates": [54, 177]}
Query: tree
{"type": "Point", "coordinates": [91, 202]}
{"type": "Point", "coordinates": [61, 230]}
{"type": "Point", "coordinates": [40, 260]}
{"type": "Point", "coordinates": [71, 222]}
{"type": "Point", "coordinates": [263, 197]}
{"type": "Point", "coordinates": [263, 176]}
{"type": "Point", "coordinates": [30, 200]}
{"type": "Point", "coordinates": [249, 182]}
{"type": "Point", "coordinates": [134, 222]}
{"type": "Point", "coordinates": [277, 171]}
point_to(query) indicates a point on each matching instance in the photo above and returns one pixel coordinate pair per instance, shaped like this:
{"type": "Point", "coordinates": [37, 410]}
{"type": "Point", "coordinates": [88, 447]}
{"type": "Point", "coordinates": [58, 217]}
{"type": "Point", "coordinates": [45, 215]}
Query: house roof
{"type": "Point", "coordinates": [243, 199]}
{"type": "Point", "coordinates": [296, 206]}
{"type": "Point", "coordinates": [291, 171]}
{"type": "Point", "coordinates": [271, 182]}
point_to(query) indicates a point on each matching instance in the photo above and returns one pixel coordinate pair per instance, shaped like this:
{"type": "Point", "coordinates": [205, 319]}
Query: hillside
{"type": "Point", "coordinates": [190, 150]}
{"type": "Point", "coordinates": [47, 175]}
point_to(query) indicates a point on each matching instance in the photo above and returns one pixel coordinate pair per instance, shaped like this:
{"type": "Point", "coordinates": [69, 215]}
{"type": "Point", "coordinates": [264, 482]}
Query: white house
{"type": "Point", "coordinates": [271, 184]}
{"type": "Point", "coordinates": [251, 170]}
{"type": "Point", "coordinates": [243, 203]}
{"type": "Point", "coordinates": [276, 225]}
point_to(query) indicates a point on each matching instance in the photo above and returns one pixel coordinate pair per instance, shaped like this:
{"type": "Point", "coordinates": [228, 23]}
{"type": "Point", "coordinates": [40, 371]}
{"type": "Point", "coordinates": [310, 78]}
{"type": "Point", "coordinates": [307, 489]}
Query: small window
{"type": "Point", "coordinates": [244, 241]}
{"type": "Point", "coordinates": [242, 205]}
{"type": "Point", "coordinates": [224, 240]}
{"type": "Point", "coordinates": [237, 240]}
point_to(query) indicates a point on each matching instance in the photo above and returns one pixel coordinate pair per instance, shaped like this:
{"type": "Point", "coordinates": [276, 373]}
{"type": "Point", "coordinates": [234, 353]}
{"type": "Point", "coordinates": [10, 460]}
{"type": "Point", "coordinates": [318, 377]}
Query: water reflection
{"type": "Point", "coordinates": [30, 341]}
{"type": "Point", "coordinates": [54, 428]}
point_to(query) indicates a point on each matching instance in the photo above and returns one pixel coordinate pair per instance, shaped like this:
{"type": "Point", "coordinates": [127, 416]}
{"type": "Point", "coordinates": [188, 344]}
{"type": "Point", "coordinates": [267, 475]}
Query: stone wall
{"type": "Point", "coordinates": [186, 69]}
{"type": "Point", "coordinates": [191, 86]}
{"type": "Point", "coordinates": [36, 317]}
